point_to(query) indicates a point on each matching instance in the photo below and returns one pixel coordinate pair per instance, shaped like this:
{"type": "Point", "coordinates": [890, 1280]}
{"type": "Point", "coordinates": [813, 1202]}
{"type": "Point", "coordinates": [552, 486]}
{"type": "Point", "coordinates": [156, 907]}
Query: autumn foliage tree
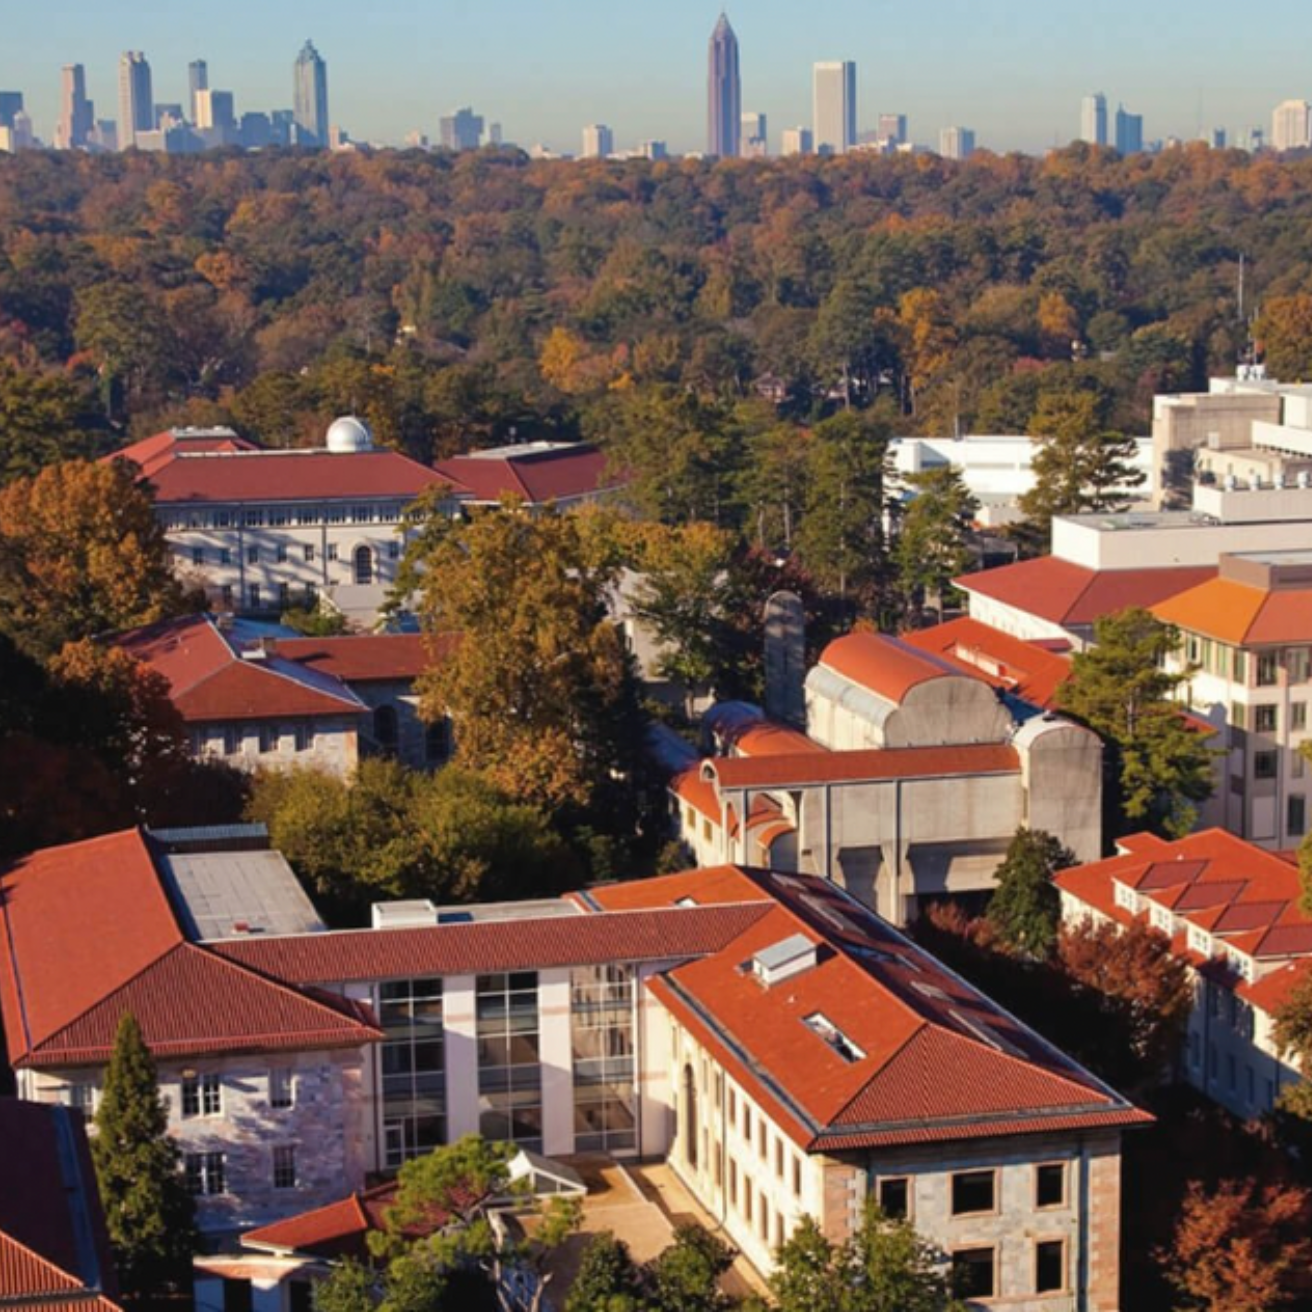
{"type": "Point", "coordinates": [539, 688]}
{"type": "Point", "coordinates": [81, 553]}
{"type": "Point", "coordinates": [1241, 1247]}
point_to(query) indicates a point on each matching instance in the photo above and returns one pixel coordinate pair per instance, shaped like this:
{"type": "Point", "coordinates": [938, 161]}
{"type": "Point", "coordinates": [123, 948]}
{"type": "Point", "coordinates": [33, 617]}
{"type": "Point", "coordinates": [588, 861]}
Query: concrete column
{"type": "Point", "coordinates": [557, 1062]}
{"type": "Point", "coordinates": [458, 1020]}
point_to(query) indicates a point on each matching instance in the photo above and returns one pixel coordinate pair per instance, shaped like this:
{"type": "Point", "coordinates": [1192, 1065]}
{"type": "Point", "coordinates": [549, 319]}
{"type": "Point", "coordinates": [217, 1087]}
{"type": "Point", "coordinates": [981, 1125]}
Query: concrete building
{"type": "Point", "coordinates": [198, 80]}
{"type": "Point", "coordinates": [833, 112]}
{"type": "Point", "coordinates": [914, 773]}
{"type": "Point", "coordinates": [1246, 645]}
{"type": "Point", "coordinates": [956, 143]}
{"type": "Point", "coordinates": [1232, 913]}
{"type": "Point", "coordinates": [1291, 125]}
{"type": "Point", "coordinates": [215, 111]}
{"type": "Point", "coordinates": [787, 1051]}
{"type": "Point", "coordinates": [893, 129]}
{"type": "Point", "coordinates": [1093, 119]}
{"type": "Point", "coordinates": [796, 141]}
{"type": "Point", "coordinates": [724, 99]}
{"type": "Point", "coordinates": [310, 97]}
{"type": "Point", "coordinates": [598, 142]}
{"type": "Point", "coordinates": [77, 115]}
{"type": "Point", "coordinates": [998, 469]}
{"type": "Point", "coordinates": [136, 98]}
{"type": "Point", "coordinates": [462, 129]}
{"type": "Point", "coordinates": [1129, 132]}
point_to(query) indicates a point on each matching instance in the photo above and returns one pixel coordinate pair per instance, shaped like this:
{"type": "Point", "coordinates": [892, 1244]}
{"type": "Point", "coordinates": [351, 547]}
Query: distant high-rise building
{"type": "Point", "coordinates": [1291, 126]}
{"type": "Point", "coordinates": [11, 105]}
{"type": "Point", "coordinates": [1215, 137]}
{"type": "Point", "coordinates": [753, 135]}
{"type": "Point", "coordinates": [256, 131]}
{"type": "Point", "coordinates": [169, 115]}
{"type": "Point", "coordinates": [1256, 139]}
{"type": "Point", "coordinates": [796, 141]}
{"type": "Point", "coordinates": [893, 128]}
{"type": "Point", "coordinates": [723, 92]}
{"type": "Point", "coordinates": [598, 141]}
{"type": "Point", "coordinates": [1093, 119]}
{"type": "Point", "coordinates": [833, 107]}
{"type": "Point", "coordinates": [104, 136]}
{"type": "Point", "coordinates": [310, 97]}
{"type": "Point", "coordinates": [461, 130]}
{"type": "Point", "coordinates": [956, 143]}
{"type": "Point", "coordinates": [77, 115]}
{"type": "Point", "coordinates": [136, 99]}
{"type": "Point", "coordinates": [198, 80]}
{"type": "Point", "coordinates": [1129, 131]}
{"type": "Point", "coordinates": [216, 110]}
{"type": "Point", "coordinates": [282, 122]}
{"type": "Point", "coordinates": [653, 150]}
{"type": "Point", "coordinates": [493, 135]}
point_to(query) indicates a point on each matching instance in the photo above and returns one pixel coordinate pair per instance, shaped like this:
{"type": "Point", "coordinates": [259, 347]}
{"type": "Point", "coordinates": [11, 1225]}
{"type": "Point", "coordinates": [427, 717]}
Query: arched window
{"type": "Point", "coordinates": [437, 742]}
{"type": "Point", "coordinates": [689, 1116]}
{"type": "Point", "coordinates": [364, 565]}
{"type": "Point", "coordinates": [385, 729]}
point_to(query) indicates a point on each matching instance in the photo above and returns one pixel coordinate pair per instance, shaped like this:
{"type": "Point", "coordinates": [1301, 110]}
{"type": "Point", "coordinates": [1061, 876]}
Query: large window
{"type": "Point", "coordinates": [284, 1166]}
{"type": "Point", "coordinates": [206, 1173]}
{"type": "Point", "coordinates": [414, 1082]}
{"type": "Point", "coordinates": [1050, 1185]}
{"type": "Point", "coordinates": [201, 1096]}
{"type": "Point", "coordinates": [974, 1273]}
{"type": "Point", "coordinates": [1050, 1266]}
{"type": "Point", "coordinates": [509, 1058]}
{"type": "Point", "coordinates": [973, 1192]}
{"type": "Point", "coordinates": [601, 1035]}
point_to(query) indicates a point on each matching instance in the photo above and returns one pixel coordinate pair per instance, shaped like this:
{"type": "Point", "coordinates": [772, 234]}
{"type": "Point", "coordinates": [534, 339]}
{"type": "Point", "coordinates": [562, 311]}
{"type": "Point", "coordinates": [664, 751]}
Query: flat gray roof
{"type": "Point", "coordinates": [216, 892]}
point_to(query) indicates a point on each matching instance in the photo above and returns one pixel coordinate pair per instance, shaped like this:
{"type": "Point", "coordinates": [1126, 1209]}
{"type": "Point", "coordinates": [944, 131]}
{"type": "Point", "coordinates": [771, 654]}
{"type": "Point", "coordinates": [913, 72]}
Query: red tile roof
{"type": "Point", "coordinates": [1241, 615]}
{"type": "Point", "coordinates": [209, 680]}
{"type": "Point", "coordinates": [52, 1229]}
{"type": "Point", "coordinates": [884, 665]}
{"type": "Point", "coordinates": [287, 476]}
{"type": "Point", "coordinates": [1063, 593]}
{"type": "Point", "coordinates": [153, 453]}
{"type": "Point", "coordinates": [368, 658]}
{"type": "Point", "coordinates": [1239, 893]}
{"type": "Point", "coordinates": [935, 1059]}
{"type": "Point", "coordinates": [87, 933]}
{"type": "Point", "coordinates": [484, 946]}
{"type": "Point", "coordinates": [1028, 670]}
{"type": "Point", "coordinates": [867, 765]}
{"type": "Point", "coordinates": [335, 1231]}
{"type": "Point", "coordinates": [767, 739]}
{"type": "Point", "coordinates": [536, 476]}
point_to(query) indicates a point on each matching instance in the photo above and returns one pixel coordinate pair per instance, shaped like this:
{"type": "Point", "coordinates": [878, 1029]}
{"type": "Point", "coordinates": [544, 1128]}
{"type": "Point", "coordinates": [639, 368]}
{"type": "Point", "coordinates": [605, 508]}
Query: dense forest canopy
{"type": "Point", "coordinates": [457, 299]}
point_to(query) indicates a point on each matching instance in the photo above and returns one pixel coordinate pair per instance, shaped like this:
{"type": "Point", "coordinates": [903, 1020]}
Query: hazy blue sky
{"type": "Point", "coordinates": [1012, 69]}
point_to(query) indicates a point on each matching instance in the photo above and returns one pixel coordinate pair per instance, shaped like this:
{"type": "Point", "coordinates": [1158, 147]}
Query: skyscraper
{"type": "Point", "coordinates": [1291, 125]}
{"type": "Point", "coordinates": [833, 107]}
{"type": "Point", "coordinates": [796, 141]}
{"type": "Point", "coordinates": [198, 80]}
{"type": "Point", "coordinates": [754, 140]}
{"type": "Point", "coordinates": [956, 143]}
{"type": "Point", "coordinates": [136, 99]}
{"type": "Point", "coordinates": [461, 130]}
{"type": "Point", "coordinates": [723, 92]}
{"type": "Point", "coordinates": [76, 113]}
{"type": "Point", "coordinates": [892, 128]}
{"type": "Point", "coordinates": [1129, 131]}
{"type": "Point", "coordinates": [598, 141]}
{"type": "Point", "coordinates": [11, 105]}
{"type": "Point", "coordinates": [310, 87]}
{"type": "Point", "coordinates": [1093, 119]}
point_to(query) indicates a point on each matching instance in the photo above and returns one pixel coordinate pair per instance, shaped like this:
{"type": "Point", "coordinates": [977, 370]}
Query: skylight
{"type": "Point", "coordinates": [820, 1024]}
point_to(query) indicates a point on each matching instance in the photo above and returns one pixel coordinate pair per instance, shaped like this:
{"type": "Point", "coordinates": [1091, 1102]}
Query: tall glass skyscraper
{"type": "Point", "coordinates": [77, 115]}
{"type": "Point", "coordinates": [834, 106]}
{"type": "Point", "coordinates": [198, 80]}
{"type": "Point", "coordinates": [311, 97]}
{"type": "Point", "coordinates": [136, 98]}
{"type": "Point", "coordinates": [723, 93]}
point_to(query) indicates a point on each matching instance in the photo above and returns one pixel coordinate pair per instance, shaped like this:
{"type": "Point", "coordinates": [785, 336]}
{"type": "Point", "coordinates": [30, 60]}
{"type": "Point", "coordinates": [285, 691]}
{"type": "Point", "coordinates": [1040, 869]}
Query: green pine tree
{"type": "Point", "coordinates": [1026, 908]}
{"type": "Point", "coordinates": [147, 1208]}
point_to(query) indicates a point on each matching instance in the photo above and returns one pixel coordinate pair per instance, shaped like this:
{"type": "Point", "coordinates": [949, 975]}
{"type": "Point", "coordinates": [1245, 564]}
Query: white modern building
{"type": "Point", "coordinates": [598, 142]}
{"type": "Point", "coordinates": [1093, 119]}
{"type": "Point", "coordinates": [796, 141]}
{"type": "Point", "coordinates": [1291, 125]}
{"type": "Point", "coordinates": [956, 143]}
{"type": "Point", "coordinates": [833, 115]}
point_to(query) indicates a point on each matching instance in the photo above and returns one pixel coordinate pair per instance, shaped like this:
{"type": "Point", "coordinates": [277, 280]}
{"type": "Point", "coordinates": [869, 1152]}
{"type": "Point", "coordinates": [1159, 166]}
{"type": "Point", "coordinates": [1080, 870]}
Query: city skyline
{"type": "Point", "coordinates": [562, 73]}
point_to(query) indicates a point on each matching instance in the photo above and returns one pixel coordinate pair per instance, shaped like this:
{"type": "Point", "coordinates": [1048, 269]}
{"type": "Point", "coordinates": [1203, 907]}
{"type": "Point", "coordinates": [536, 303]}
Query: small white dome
{"type": "Point", "coordinates": [349, 435]}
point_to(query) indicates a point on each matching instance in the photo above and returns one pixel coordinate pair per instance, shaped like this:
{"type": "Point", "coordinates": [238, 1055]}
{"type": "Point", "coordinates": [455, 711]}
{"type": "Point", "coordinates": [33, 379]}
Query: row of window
{"type": "Point", "coordinates": [1232, 663]}
{"type": "Point", "coordinates": [202, 1094]}
{"type": "Point", "coordinates": [307, 516]}
{"type": "Point", "coordinates": [207, 1173]}
{"type": "Point", "coordinates": [1213, 1075]}
{"type": "Point", "coordinates": [278, 554]}
{"type": "Point", "coordinates": [973, 1272]}
{"type": "Point", "coordinates": [974, 1193]}
{"type": "Point", "coordinates": [1266, 717]}
{"type": "Point", "coordinates": [782, 1154]}
{"type": "Point", "coordinates": [230, 740]}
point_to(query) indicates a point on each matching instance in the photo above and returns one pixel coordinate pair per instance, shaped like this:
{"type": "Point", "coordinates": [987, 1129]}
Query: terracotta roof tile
{"type": "Point", "coordinates": [483, 946]}
{"type": "Point", "coordinates": [1241, 615]}
{"type": "Point", "coordinates": [1027, 670]}
{"type": "Point", "coordinates": [883, 665]}
{"type": "Point", "coordinates": [537, 477]}
{"type": "Point", "coordinates": [871, 764]}
{"type": "Point", "coordinates": [365, 658]}
{"type": "Point", "coordinates": [1063, 593]}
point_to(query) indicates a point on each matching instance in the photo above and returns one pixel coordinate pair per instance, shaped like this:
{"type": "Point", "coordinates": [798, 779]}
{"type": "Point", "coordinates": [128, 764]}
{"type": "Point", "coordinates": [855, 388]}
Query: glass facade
{"type": "Point", "coordinates": [601, 1038]}
{"type": "Point", "coordinates": [509, 1058]}
{"type": "Point", "coordinates": [413, 1069]}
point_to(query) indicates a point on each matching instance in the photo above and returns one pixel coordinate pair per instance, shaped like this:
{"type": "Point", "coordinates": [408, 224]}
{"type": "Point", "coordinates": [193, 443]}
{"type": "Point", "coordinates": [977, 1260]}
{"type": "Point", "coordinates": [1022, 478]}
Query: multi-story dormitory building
{"type": "Point", "coordinates": [916, 770]}
{"type": "Point", "coordinates": [1232, 912]}
{"type": "Point", "coordinates": [789, 1052]}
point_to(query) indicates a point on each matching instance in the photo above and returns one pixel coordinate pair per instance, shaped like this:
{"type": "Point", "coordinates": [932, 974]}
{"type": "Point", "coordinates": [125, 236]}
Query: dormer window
{"type": "Point", "coordinates": [783, 960]}
{"type": "Point", "coordinates": [820, 1024]}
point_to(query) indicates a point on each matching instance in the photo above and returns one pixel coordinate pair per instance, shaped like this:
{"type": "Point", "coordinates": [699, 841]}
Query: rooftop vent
{"type": "Point", "coordinates": [820, 1024]}
{"type": "Point", "coordinates": [783, 960]}
{"type": "Point", "coordinates": [403, 914]}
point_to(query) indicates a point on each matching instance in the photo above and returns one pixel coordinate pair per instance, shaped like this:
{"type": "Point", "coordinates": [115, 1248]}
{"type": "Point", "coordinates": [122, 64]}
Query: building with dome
{"type": "Point", "coordinates": [262, 530]}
